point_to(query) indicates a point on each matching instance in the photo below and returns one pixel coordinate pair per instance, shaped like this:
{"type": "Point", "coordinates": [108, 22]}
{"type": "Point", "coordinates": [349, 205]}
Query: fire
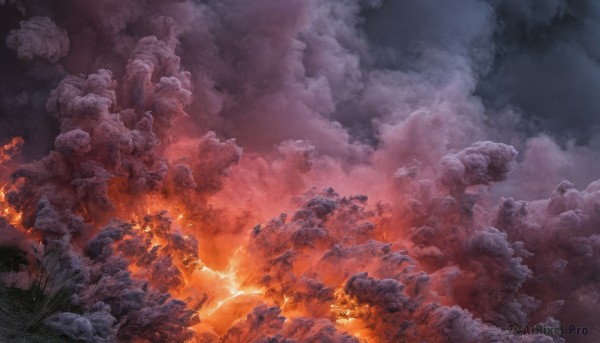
{"type": "Point", "coordinates": [259, 171]}
{"type": "Point", "coordinates": [349, 314]}
{"type": "Point", "coordinates": [228, 299]}
{"type": "Point", "coordinates": [8, 212]}
{"type": "Point", "coordinates": [7, 152]}
{"type": "Point", "coordinates": [230, 286]}
{"type": "Point", "coordinates": [223, 295]}
{"type": "Point", "coordinates": [233, 287]}
{"type": "Point", "coordinates": [225, 298]}
{"type": "Point", "coordinates": [227, 294]}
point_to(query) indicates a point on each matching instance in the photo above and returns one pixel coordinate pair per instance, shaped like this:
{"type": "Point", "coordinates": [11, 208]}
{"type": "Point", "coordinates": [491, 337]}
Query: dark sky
{"type": "Point", "coordinates": [539, 57]}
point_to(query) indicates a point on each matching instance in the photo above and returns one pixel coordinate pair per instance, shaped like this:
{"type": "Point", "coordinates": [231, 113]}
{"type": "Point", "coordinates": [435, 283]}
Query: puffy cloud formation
{"type": "Point", "coordinates": [480, 164]}
{"type": "Point", "coordinates": [303, 171]}
{"type": "Point", "coordinates": [96, 326]}
{"type": "Point", "coordinates": [73, 141]}
{"type": "Point", "coordinates": [39, 37]}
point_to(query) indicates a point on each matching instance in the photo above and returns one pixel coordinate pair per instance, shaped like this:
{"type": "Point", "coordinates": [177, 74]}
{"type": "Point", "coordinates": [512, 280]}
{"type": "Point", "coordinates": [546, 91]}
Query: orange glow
{"type": "Point", "coordinates": [7, 151]}
{"type": "Point", "coordinates": [348, 315]}
{"type": "Point", "coordinates": [228, 299]}
{"type": "Point", "coordinates": [229, 290]}
{"type": "Point", "coordinates": [219, 284]}
{"type": "Point", "coordinates": [12, 216]}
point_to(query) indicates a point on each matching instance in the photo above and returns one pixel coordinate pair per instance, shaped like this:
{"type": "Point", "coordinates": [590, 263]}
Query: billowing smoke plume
{"type": "Point", "coordinates": [299, 171]}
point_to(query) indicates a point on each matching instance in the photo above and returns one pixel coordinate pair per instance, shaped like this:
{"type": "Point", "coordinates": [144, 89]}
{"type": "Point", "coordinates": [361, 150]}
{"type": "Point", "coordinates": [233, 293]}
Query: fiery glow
{"type": "Point", "coordinates": [296, 171]}
{"type": "Point", "coordinates": [8, 212]}
{"type": "Point", "coordinates": [346, 309]}
{"type": "Point", "coordinates": [7, 151]}
{"type": "Point", "coordinates": [234, 289]}
{"type": "Point", "coordinates": [349, 314]}
{"type": "Point", "coordinates": [228, 299]}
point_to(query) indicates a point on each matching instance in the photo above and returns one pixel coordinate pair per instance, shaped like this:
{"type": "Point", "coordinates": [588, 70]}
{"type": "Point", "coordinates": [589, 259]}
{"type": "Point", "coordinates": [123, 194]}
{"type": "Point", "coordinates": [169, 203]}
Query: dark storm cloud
{"type": "Point", "coordinates": [539, 57]}
{"type": "Point", "coordinates": [546, 64]}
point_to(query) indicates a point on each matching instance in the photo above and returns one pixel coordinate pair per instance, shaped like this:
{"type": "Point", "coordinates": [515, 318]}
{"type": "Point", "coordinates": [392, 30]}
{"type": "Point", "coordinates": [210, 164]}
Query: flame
{"type": "Point", "coordinates": [229, 281]}
{"type": "Point", "coordinates": [228, 295]}
{"type": "Point", "coordinates": [230, 300]}
{"type": "Point", "coordinates": [226, 298]}
{"type": "Point", "coordinates": [349, 314]}
{"type": "Point", "coordinates": [13, 216]}
{"type": "Point", "coordinates": [7, 151]}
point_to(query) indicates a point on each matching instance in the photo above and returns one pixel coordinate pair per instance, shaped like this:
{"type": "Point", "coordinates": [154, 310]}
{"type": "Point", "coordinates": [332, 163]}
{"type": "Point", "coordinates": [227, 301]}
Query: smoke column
{"type": "Point", "coordinates": [299, 171]}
